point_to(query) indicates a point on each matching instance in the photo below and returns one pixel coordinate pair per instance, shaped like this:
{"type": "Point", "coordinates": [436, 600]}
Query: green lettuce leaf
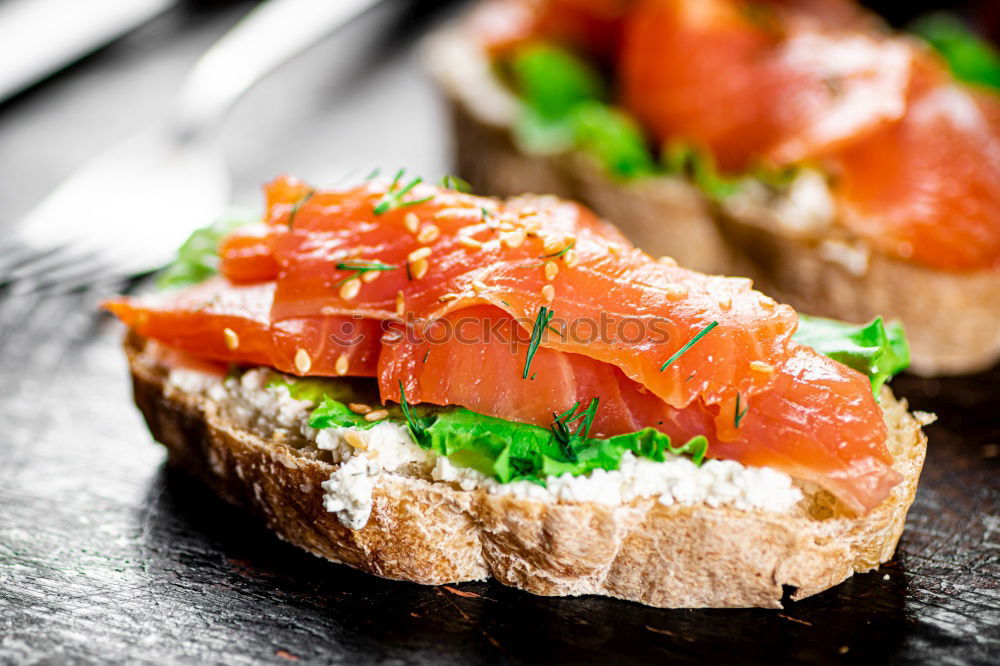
{"type": "Point", "coordinates": [562, 107]}
{"type": "Point", "coordinates": [198, 258]}
{"type": "Point", "coordinates": [970, 58]}
{"type": "Point", "coordinates": [552, 81]}
{"type": "Point", "coordinates": [877, 350]}
{"type": "Point", "coordinates": [510, 451]}
{"type": "Point", "coordinates": [613, 138]}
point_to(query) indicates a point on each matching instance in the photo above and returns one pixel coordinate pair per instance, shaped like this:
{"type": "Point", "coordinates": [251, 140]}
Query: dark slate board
{"type": "Point", "coordinates": [108, 556]}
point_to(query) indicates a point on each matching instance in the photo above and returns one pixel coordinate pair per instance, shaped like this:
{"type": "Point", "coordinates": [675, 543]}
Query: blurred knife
{"type": "Point", "coordinates": [39, 37]}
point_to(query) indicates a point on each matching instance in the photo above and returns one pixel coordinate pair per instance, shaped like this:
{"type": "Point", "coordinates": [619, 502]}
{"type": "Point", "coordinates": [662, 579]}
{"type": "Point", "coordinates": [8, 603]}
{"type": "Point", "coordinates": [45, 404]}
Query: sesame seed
{"type": "Point", "coordinates": [761, 366]}
{"type": "Point", "coordinates": [411, 222]}
{"type": "Point", "coordinates": [350, 289]}
{"type": "Point", "coordinates": [340, 367]}
{"type": "Point", "coordinates": [370, 276]}
{"type": "Point", "coordinates": [371, 455]}
{"type": "Point", "coordinates": [232, 340]}
{"type": "Point", "coordinates": [553, 245]}
{"type": "Point", "coordinates": [428, 234]}
{"type": "Point", "coordinates": [377, 415]}
{"type": "Point", "coordinates": [532, 224]}
{"type": "Point", "coordinates": [478, 286]}
{"type": "Point", "coordinates": [418, 254]}
{"type": "Point", "coordinates": [615, 249]}
{"type": "Point", "coordinates": [676, 291]}
{"type": "Point", "coordinates": [447, 298]}
{"type": "Point", "coordinates": [400, 303]}
{"type": "Point", "coordinates": [471, 243]}
{"type": "Point", "coordinates": [513, 238]}
{"type": "Point", "coordinates": [570, 258]}
{"type": "Point", "coordinates": [302, 361]}
{"type": "Point", "coordinates": [767, 304]}
{"type": "Point", "coordinates": [359, 408]}
{"type": "Point", "coordinates": [667, 261]}
{"type": "Point", "coordinates": [726, 303]}
{"type": "Point", "coordinates": [418, 268]}
{"type": "Point", "coordinates": [356, 440]}
{"type": "Point", "coordinates": [551, 269]}
{"type": "Point", "coordinates": [548, 292]}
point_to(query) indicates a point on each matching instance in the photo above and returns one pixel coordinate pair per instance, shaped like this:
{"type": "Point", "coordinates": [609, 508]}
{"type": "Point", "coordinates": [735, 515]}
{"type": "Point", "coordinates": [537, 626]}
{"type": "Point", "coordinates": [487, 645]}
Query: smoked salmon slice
{"type": "Point", "coordinates": [926, 188]}
{"type": "Point", "coordinates": [219, 321]}
{"type": "Point", "coordinates": [758, 89]}
{"type": "Point", "coordinates": [683, 352]}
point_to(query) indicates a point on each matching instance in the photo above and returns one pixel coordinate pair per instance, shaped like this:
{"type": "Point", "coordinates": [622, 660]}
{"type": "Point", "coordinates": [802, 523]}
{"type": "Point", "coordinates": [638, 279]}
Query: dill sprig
{"type": "Point", "coordinates": [360, 266]}
{"type": "Point", "coordinates": [690, 343]}
{"type": "Point", "coordinates": [393, 198]}
{"type": "Point", "coordinates": [562, 430]}
{"type": "Point", "coordinates": [541, 322]}
{"type": "Point", "coordinates": [738, 416]}
{"type": "Point", "coordinates": [415, 424]}
{"type": "Point", "coordinates": [298, 204]}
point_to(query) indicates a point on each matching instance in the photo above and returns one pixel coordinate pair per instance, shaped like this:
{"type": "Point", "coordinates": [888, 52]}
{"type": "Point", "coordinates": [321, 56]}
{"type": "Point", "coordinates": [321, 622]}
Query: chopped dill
{"type": "Point", "coordinates": [393, 198]}
{"type": "Point", "coordinates": [690, 343]}
{"type": "Point", "coordinates": [541, 322]}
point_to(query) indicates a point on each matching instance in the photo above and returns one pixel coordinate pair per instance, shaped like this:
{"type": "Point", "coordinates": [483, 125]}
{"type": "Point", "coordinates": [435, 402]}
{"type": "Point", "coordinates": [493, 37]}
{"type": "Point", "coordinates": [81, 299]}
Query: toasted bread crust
{"type": "Point", "coordinates": [952, 319]}
{"type": "Point", "coordinates": [433, 533]}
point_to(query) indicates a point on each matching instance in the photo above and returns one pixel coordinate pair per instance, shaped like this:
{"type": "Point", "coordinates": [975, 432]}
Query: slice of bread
{"type": "Point", "coordinates": [952, 319]}
{"type": "Point", "coordinates": [434, 532]}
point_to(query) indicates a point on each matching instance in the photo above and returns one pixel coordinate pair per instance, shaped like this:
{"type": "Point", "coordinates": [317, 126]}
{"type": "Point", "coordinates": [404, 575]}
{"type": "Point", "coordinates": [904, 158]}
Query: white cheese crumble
{"type": "Point", "coordinates": [677, 480]}
{"type": "Point", "coordinates": [368, 454]}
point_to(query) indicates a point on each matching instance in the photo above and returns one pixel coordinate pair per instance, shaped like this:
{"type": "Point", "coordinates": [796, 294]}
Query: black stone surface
{"type": "Point", "coordinates": [107, 556]}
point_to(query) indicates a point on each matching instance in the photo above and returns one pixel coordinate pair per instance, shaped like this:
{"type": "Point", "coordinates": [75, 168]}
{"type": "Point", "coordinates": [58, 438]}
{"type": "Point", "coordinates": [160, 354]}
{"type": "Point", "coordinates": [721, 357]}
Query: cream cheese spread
{"type": "Point", "coordinates": [365, 456]}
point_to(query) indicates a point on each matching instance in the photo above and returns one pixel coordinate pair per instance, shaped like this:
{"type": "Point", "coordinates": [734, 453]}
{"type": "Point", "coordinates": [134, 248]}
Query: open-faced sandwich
{"type": "Point", "coordinates": [845, 167]}
{"type": "Point", "coordinates": [436, 387]}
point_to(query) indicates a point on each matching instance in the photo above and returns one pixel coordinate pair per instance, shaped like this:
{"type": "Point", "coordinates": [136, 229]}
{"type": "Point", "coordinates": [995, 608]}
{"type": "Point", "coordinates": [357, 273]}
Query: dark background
{"type": "Point", "coordinates": [108, 556]}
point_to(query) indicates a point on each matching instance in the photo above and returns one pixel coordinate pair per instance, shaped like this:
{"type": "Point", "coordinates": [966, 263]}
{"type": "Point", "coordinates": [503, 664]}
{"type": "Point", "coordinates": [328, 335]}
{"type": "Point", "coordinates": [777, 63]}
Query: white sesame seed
{"type": "Point", "coordinates": [359, 408]}
{"type": "Point", "coordinates": [551, 269]}
{"type": "Point", "coordinates": [548, 292]}
{"type": "Point", "coordinates": [377, 415]}
{"type": "Point", "coordinates": [469, 242]}
{"type": "Point", "coordinates": [479, 286]}
{"type": "Point", "coordinates": [231, 339]}
{"type": "Point", "coordinates": [370, 276]}
{"type": "Point", "coordinates": [615, 249]}
{"type": "Point", "coordinates": [356, 440]}
{"type": "Point", "coordinates": [302, 361]}
{"type": "Point", "coordinates": [428, 234]}
{"type": "Point", "coordinates": [570, 258]}
{"type": "Point", "coordinates": [340, 367]}
{"type": "Point", "coordinates": [667, 261]}
{"type": "Point", "coordinates": [553, 245]}
{"type": "Point", "coordinates": [400, 303]}
{"type": "Point", "coordinates": [447, 298]}
{"type": "Point", "coordinates": [418, 268]}
{"type": "Point", "coordinates": [762, 367]}
{"type": "Point", "coordinates": [767, 304]}
{"type": "Point", "coordinates": [726, 303]}
{"type": "Point", "coordinates": [513, 238]}
{"type": "Point", "coordinates": [350, 289]}
{"type": "Point", "coordinates": [411, 222]}
{"type": "Point", "coordinates": [418, 254]}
